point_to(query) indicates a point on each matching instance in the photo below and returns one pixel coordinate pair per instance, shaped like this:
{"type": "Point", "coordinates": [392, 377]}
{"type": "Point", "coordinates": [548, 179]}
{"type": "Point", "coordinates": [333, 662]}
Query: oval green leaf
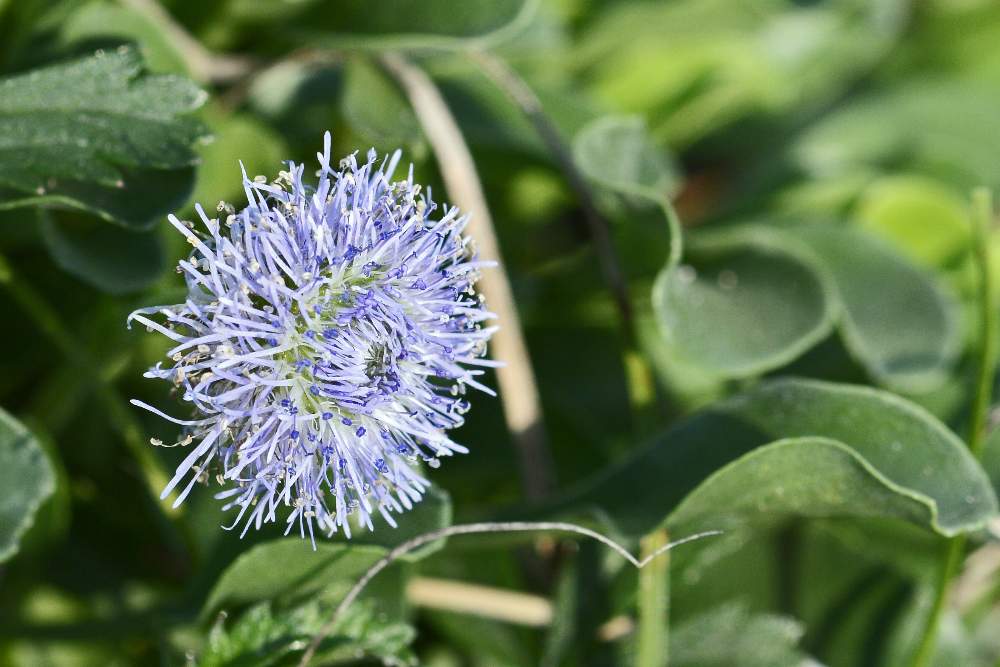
{"type": "Point", "coordinates": [26, 478]}
{"type": "Point", "coordinates": [617, 155]}
{"type": "Point", "coordinates": [896, 320]}
{"type": "Point", "coordinates": [743, 304]}
{"type": "Point", "coordinates": [617, 152]}
{"type": "Point", "coordinates": [914, 454]}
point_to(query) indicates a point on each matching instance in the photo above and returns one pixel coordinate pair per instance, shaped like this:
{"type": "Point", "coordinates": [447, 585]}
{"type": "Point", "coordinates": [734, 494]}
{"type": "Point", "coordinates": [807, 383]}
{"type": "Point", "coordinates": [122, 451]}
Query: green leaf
{"type": "Point", "coordinates": [110, 258]}
{"type": "Point", "coordinates": [896, 320]}
{"type": "Point", "coordinates": [263, 638]}
{"type": "Point", "coordinates": [413, 24]}
{"type": "Point", "coordinates": [947, 127]}
{"type": "Point", "coordinates": [26, 478]}
{"type": "Point", "coordinates": [693, 68]}
{"type": "Point", "coordinates": [780, 480]}
{"type": "Point", "coordinates": [884, 445]}
{"type": "Point", "coordinates": [376, 109]}
{"type": "Point", "coordinates": [744, 304]}
{"type": "Point", "coordinates": [733, 635]}
{"type": "Point", "coordinates": [238, 138]}
{"type": "Point", "coordinates": [98, 135]}
{"type": "Point", "coordinates": [991, 459]}
{"type": "Point", "coordinates": [616, 152]}
{"type": "Point", "coordinates": [333, 567]}
{"type": "Point", "coordinates": [617, 155]}
{"type": "Point", "coordinates": [921, 216]}
{"type": "Point", "coordinates": [104, 21]}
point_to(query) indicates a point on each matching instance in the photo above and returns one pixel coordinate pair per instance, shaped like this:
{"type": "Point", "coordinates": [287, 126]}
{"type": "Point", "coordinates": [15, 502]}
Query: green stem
{"type": "Point", "coordinates": [652, 635]}
{"type": "Point", "coordinates": [639, 373]}
{"type": "Point", "coordinates": [982, 217]}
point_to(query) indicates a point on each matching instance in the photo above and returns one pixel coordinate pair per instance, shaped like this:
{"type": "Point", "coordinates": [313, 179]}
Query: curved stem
{"type": "Point", "coordinates": [982, 217]}
{"type": "Point", "coordinates": [473, 529]}
{"type": "Point", "coordinates": [641, 386]}
{"type": "Point", "coordinates": [508, 80]}
{"type": "Point", "coordinates": [518, 388]}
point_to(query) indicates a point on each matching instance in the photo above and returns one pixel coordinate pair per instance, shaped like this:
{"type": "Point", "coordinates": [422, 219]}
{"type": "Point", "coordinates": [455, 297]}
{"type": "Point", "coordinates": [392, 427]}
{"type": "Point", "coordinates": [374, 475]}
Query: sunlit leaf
{"type": "Point", "coordinates": [884, 448]}
{"type": "Point", "coordinates": [98, 135]}
{"type": "Point", "coordinates": [920, 216]}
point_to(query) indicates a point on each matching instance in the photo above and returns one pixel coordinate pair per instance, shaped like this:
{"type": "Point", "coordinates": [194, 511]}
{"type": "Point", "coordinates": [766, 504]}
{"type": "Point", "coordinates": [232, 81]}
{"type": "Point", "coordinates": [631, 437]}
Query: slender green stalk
{"type": "Point", "coordinates": [508, 80]}
{"type": "Point", "coordinates": [638, 373]}
{"type": "Point", "coordinates": [982, 217]}
{"type": "Point", "coordinates": [652, 634]}
{"type": "Point", "coordinates": [982, 202]}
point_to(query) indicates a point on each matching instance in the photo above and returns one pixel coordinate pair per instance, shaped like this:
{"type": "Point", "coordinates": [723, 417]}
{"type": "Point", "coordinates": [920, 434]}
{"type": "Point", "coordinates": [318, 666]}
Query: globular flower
{"type": "Point", "coordinates": [326, 343]}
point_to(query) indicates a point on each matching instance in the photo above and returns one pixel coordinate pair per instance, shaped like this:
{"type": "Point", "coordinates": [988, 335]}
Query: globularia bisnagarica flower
{"type": "Point", "coordinates": [328, 336]}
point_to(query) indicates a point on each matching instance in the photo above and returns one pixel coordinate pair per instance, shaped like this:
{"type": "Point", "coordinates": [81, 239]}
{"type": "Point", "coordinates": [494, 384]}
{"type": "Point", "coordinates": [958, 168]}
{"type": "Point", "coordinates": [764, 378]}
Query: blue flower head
{"type": "Point", "coordinates": [328, 337]}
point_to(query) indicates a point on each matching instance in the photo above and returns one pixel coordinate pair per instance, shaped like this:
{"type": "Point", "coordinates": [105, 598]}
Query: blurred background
{"type": "Point", "coordinates": [764, 123]}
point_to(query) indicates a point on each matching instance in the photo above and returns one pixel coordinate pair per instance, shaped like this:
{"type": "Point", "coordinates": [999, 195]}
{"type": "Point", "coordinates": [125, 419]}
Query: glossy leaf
{"type": "Point", "coordinates": [904, 449]}
{"type": "Point", "coordinates": [98, 135]}
{"type": "Point", "coordinates": [896, 320]}
{"type": "Point", "coordinates": [743, 304]}
{"type": "Point", "coordinates": [26, 478]}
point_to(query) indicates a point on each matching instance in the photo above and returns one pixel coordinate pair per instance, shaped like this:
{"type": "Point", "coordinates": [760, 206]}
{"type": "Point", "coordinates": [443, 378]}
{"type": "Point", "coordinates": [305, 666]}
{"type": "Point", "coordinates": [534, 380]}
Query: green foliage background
{"type": "Point", "coordinates": [786, 185]}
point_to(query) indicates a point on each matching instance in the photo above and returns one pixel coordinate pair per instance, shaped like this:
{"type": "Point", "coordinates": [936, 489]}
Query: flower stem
{"type": "Point", "coordinates": [641, 385]}
{"type": "Point", "coordinates": [982, 218]}
{"type": "Point", "coordinates": [508, 80]}
{"type": "Point", "coordinates": [652, 637]}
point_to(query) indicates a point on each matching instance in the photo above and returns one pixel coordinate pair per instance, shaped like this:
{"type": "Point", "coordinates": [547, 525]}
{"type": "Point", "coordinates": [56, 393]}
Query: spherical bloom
{"type": "Point", "coordinates": [326, 343]}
